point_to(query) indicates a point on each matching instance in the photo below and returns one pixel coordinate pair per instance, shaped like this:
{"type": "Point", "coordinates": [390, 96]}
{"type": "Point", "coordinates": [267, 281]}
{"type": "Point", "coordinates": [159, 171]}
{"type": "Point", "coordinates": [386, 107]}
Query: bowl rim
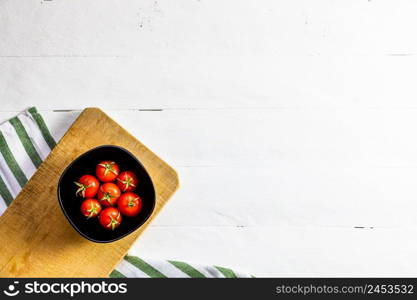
{"type": "Point", "coordinates": [68, 217]}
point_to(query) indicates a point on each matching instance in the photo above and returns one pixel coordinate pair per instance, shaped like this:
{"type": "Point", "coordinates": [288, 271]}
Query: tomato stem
{"type": "Point", "coordinates": [107, 197]}
{"type": "Point", "coordinates": [92, 211]}
{"type": "Point", "coordinates": [113, 222]}
{"type": "Point", "coordinates": [131, 202]}
{"type": "Point", "coordinates": [128, 182]}
{"type": "Point", "coordinates": [81, 188]}
{"type": "Point", "coordinates": [108, 167]}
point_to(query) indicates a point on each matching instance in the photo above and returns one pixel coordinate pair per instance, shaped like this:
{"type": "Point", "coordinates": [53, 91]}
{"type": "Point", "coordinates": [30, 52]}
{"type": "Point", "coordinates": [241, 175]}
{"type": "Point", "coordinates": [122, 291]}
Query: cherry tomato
{"type": "Point", "coordinates": [107, 171]}
{"type": "Point", "coordinates": [87, 186]}
{"type": "Point", "coordinates": [108, 193]}
{"type": "Point", "coordinates": [127, 181]}
{"type": "Point", "coordinates": [110, 218]}
{"type": "Point", "coordinates": [90, 208]}
{"type": "Point", "coordinates": [129, 204]}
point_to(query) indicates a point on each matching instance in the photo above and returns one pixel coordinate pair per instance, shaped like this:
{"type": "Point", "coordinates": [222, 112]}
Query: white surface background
{"type": "Point", "coordinates": [291, 123]}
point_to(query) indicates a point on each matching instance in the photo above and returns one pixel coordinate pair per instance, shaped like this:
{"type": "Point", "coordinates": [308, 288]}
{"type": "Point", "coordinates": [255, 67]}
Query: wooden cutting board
{"type": "Point", "coordinates": [36, 238]}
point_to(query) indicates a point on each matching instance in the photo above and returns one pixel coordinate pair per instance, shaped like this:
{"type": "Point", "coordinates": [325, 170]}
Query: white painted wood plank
{"type": "Point", "coordinates": [182, 28]}
{"type": "Point", "coordinates": [288, 251]}
{"type": "Point", "coordinates": [161, 54]}
{"type": "Point", "coordinates": [209, 81]}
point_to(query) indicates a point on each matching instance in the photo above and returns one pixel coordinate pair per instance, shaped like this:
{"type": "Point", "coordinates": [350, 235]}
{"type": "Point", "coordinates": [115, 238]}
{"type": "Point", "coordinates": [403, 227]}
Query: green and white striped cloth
{"type": "Point", "coordinates": [25, 142]}
{"type": "Point", "coordinates": [132, 266]}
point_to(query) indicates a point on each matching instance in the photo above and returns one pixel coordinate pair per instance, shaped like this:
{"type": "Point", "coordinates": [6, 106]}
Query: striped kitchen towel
{"type": "Point", "coordinates": [25, 142]}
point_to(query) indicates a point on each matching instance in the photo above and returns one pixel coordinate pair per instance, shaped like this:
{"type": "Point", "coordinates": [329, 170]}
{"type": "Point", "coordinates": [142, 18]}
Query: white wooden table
{"type": "Point", "coordinates": [292, 124]}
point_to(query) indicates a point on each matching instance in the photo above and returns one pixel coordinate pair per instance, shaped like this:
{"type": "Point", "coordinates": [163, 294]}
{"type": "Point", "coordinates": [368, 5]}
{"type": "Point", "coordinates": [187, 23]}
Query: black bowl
{"type": "Point", "coordinates": [85, 164]}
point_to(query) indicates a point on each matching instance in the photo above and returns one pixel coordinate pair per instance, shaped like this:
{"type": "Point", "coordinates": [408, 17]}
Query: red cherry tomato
{"type": "Point", "coordinates": [110, 218]}
{"type": "Point", "coordinates": [107, 171]}
{"type": "Point", "coordinates": [127, 181]}
{"type": "Point", "coordinates": [129, 204]}
{"type": "Point", "coordinates": [87, 186]}
{"type": "Point", "coordinates": [108, 193]}
{"type": "Point", "coordinates": [90, 208]}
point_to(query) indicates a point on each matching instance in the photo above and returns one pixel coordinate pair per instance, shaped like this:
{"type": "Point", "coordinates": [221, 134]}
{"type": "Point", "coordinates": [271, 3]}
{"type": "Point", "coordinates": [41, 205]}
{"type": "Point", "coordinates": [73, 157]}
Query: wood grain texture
{"type": "Point", "coordinates": [38, 241]}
